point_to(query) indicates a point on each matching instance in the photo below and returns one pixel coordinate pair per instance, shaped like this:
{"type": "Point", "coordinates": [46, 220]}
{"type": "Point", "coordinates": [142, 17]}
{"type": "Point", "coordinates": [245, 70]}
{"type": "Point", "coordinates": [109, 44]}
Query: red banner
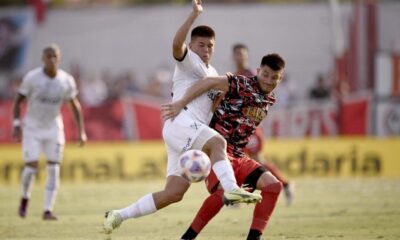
{"type": "Point", "coordinates": [140, 119]}
{"type": "Point", "coordinates": [6, 121]}
{"type": "Point", "coordinates": [143, 119]}
{"type": "Point", "coordinates": [396, 75]}
{"type": "Point", "coordinates": [313, 119]}
{"type": "Point", "coordinates": [354, 116]}
{"type": "Point", "coordinates": [104, 122]}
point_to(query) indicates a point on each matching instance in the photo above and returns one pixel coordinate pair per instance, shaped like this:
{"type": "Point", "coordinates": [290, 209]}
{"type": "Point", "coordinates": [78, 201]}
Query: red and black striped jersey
{"type": "Point", "coordinates": [242, 109]}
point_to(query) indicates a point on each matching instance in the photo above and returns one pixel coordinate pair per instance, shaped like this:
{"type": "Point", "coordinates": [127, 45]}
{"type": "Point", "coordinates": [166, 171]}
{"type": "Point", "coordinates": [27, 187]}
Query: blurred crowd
{"type": "Point", "coordinates": [96, 88]}
{"type": "Point", "coordinates": [100, 87]}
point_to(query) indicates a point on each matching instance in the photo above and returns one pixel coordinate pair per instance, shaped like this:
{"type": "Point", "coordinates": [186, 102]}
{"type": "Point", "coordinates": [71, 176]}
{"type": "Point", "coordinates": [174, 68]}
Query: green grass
{"type": "Point", "coordinates": [323, 209]}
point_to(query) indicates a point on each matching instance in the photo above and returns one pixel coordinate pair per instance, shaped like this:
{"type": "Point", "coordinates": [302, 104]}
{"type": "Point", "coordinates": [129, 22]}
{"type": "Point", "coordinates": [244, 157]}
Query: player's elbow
{"type": "Point", "coordinates": [178, 50]}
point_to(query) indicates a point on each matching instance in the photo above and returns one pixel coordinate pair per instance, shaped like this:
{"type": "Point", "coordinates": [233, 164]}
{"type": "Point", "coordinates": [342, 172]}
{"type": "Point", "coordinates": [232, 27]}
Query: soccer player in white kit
{"type": "Point", "coordinates": [45, 89]}
{"type": "Point", "coordinates": [189, 130]}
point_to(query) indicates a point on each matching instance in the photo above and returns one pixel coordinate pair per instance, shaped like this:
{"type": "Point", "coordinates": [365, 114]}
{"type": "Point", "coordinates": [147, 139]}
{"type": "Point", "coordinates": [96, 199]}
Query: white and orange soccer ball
{"type": "Point", "coordinates": [195, 165]}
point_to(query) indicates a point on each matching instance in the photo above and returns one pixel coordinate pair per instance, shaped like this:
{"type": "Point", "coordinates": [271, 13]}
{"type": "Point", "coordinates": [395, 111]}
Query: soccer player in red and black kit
{"type": "Point", "coordinates": [243, 107]}
{"type": "Point", "coordinates": [254, 148]}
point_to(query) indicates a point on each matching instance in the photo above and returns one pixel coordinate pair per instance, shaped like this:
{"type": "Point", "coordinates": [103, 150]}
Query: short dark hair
{"type": "Point", "coordinates": [52, 47]}
{"type": "Point", "coordinates": [238, 46]}
{"type": "Point", "coordinates": [274, 61]}
{"type": "Point", "coordinates": [202, 31]}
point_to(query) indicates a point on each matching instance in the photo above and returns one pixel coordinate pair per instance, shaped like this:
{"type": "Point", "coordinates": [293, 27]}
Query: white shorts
{"type": "Point", "coordinates": [36, 141]}
{"type": "Point", "coordinates": [182, 134]}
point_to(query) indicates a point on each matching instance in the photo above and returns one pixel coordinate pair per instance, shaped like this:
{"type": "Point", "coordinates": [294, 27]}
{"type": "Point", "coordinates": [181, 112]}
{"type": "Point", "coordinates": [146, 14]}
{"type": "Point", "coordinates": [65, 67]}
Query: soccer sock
{"type": "Point", "coordinates": [275, 171]}
{"type": "Point", "coordinates": [27, 180]}
{"type": "Point", "coordinates": [263, 210]}
{"type": "Point", "coordinates": [211, 206]}
{"type": "Point", "coordinates": [142, 207]}
{"type": "Point", "coordinates": [53, 181]}
{"type": "Point", "coordinates": [254, 235]}
{"type": "Point", "coordinates": [224, 172]}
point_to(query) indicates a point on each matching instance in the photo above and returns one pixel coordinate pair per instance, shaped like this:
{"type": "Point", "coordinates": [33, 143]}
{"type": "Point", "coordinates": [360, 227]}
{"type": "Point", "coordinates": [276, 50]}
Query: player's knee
{"type": "Point", "coordinates": [217, 143]}
{"type": "Point", "coordinates": [34, 164]}
{"type": "Point", "coordinates": [51, 162]}
{"type": "Point", "coordinates": [273, 188]}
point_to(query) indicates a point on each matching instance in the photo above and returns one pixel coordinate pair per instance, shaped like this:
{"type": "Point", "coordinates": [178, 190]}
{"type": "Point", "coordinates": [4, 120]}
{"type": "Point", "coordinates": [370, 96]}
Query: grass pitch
{"type": "Point", "coordinates": [323, 209]}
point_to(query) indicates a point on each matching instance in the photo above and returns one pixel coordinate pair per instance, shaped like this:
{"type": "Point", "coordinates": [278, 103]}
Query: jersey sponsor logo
{"type": "Point", "coordinates": [48, 100]}
{"type": "Point", "coordinates": [255, 113]}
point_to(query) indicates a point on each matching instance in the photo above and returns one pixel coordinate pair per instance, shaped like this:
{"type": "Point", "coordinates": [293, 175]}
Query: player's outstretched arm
{"type": "Point", "coordinates": [17, 131]}
{"type": "Point", "coordinates": [178, 45]}
{"type": "Point", "coordinates": [76, 109]}
{"type": "Point", "coordinates": [171, 110]}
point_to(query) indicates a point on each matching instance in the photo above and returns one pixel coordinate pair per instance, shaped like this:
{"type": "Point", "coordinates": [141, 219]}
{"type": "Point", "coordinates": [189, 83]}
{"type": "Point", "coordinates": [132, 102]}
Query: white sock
{"type": "Point", "coordinates": [224, 172]}
{"type": "Point", "coordinates": [53, 181]}
{"type": "Point", "coordinates": [27, 180]}
{"type": "Point", "coordinates": [142, 207]}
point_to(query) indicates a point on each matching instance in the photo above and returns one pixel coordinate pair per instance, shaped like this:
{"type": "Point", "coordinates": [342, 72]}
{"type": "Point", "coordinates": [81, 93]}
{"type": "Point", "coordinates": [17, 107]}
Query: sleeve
{"type": "Point", "coordinates": [237, 85]}
{"type": "Point", "coordinates": [25, 87]}
{"type": "Point", "coordinates": [188, 62]}
{"type": "Point", "coordinates": [72, 90]}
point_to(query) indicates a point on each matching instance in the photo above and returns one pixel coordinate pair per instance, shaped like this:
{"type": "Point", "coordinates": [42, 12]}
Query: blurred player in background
{"type": "Point", "coordinates": [45, 89]}
{"type": "Point", "coordinates": [189, 130]}
{"type": "Point", "coordinates": [244, 106]}
{"type": "Point", "coordinates": [241, 60]}
{"type": "Point", "coordinates": [255, 145]}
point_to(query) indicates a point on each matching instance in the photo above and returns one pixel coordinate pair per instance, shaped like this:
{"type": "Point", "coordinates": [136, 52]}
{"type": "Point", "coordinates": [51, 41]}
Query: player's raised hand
{"type": "Point", "coordinates": [171, 110]}
{"type": "Point", "coordinates": [197, 7]}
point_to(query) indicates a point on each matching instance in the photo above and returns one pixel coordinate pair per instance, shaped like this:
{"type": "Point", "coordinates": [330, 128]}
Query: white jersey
{"type": "Point", "coordinates": [187, 72]}
{"type": "Point", "coordinates": [45, 96]}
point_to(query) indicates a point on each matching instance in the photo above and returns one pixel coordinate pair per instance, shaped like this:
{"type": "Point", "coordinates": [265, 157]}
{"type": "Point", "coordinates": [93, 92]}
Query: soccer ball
{"type": "Point", "coordinates": [195, 165]}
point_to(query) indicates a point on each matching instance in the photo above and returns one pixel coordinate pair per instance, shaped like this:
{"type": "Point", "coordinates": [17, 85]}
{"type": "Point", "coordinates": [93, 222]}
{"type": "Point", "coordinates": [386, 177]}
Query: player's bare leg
{"type": "Point", "coordinates": [216, 148]}
{"type": "Point", "coordinates": [174, 190]}
{"type": "Point", "coordinates": [52, 184]}
{"type": "Point", "coordinates": [27, 180]}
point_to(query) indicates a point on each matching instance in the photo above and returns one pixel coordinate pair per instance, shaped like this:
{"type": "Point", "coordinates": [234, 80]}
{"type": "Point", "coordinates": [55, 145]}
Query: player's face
{"type": "Point", "coordinates": [268, 79]}
{"type": "Point", "coordinates": [51, 59]}
{"type": "Point", "coordinates": [204, 47]}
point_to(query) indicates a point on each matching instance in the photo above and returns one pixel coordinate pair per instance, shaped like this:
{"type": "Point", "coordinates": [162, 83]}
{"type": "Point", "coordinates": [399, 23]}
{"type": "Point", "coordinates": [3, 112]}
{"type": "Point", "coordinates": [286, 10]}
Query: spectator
{"type": "Point", "coordinates": [94, 91]}
{"type": "Point", "coordinates": [128, 82]}
{"type": "Point", "coordinates": [320, 91]}
{"type": "Point", "coordinates": [241, 60]}
{"type": "Point", "coordinates": [160, 84]}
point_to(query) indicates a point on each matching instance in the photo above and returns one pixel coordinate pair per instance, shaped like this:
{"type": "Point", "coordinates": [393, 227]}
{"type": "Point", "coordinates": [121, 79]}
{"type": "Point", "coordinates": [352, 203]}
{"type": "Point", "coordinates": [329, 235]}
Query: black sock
{"type": "Point", "coordinates": [189, 234]}
{"type": "Point", "coordinates": [254, 235]}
